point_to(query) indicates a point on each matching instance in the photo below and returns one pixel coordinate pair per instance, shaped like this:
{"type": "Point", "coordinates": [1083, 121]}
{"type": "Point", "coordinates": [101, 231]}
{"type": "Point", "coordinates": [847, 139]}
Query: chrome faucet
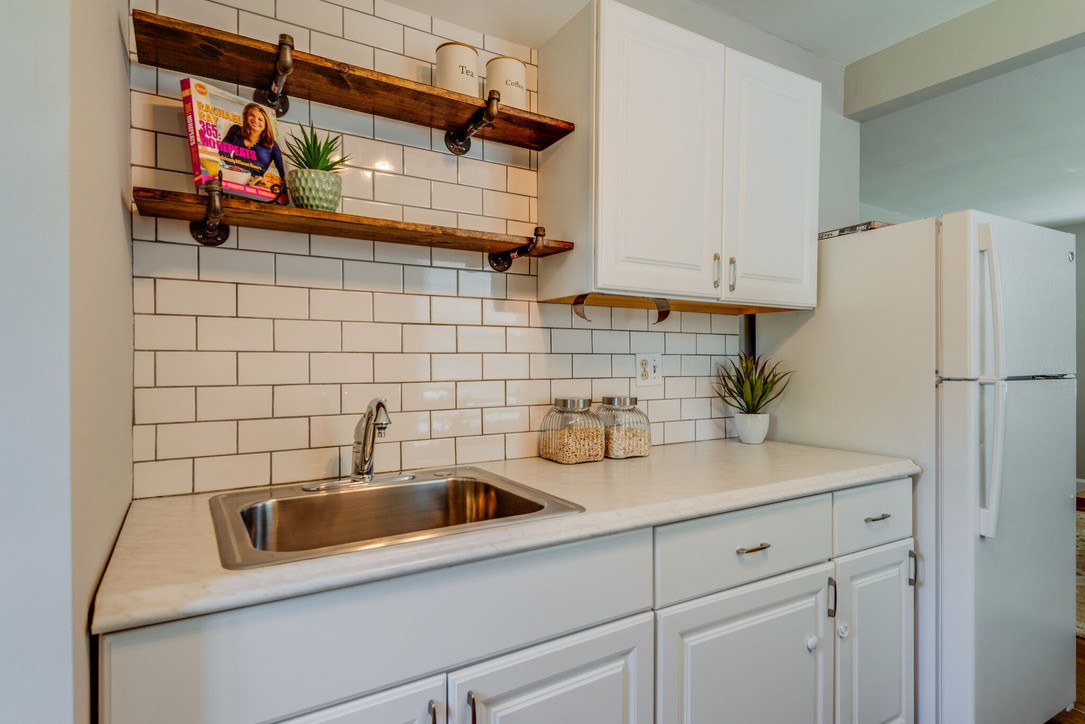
{"type": "Point", "coordinates": [372, 424]}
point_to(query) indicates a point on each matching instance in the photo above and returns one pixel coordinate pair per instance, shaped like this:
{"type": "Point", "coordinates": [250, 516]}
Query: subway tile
{"type": "Point", "coordinates": [307, 336]}
{"type": "Point", "coordinates": [677, 387]}
{"type": "Point", "coordinates": [145, 228]}
{"type": "Point", "coordinates": [521, 445]}
{"type": "Point", "coordinates": [196, 439]}
{"type": "Point", "coordinates": [429, 165]}
{"type": "Point", "coordinates": [641, 342]}
{"type": "Point", "coordinates": [429, 280]}
{"type": "Point", "coordinates": [457, 258]}
{"type": "Point", "coordinates": [143, 369]}
{"type": "Point", "coordinates": [711, 344]}
{"type": "Point", "coordinates": [455, 310]}
{"type": "Point", "coordinates": [609, 387]}
{"type": "Point", "coordinates": [551, 366]}
{"type": "Point", "coordinates": [696, 408]}
{"type": "Point", "coordinates": [356, 397]}
{"type": "Point", "coordinates": [202, 298]}
{"type": "Point", "coordinates": [551, 315]}
{"type": "Point", "coordinates": [256, 26]}
{"type": "Point", "coordinates": [329, 430]}
{"type": "Point", "coordinates": [480, 339]}
{"type": "Point", "coordinates": [710, 429]}
{"type": "Point", "coordinates": [664, 410]}
{"type": "Point", "coordinates": [453, 197]}
{"type": "Point", "coordinates": [428, 453]}
{"type": "Point", "coordinates": [481, 284]}
{"type": "Point", "coordinates": [695, 365]}
{"type": "Point", "coordinates": [232, 403]}
{"type": "Point", "coordinates": [732, 344]}
{"type": "Point", "coordinates": [673, 323]}
{"type": "Point", "coordinates": [344, 51]}
{"type": "Point", "coordinates": [315, 14]}
{"type": "Point", "coordinates": [678, 343]}
{"type": "Point", "coordinates": [201, 12]}
{"type": "Point", "coordinates": [341, 248]}
{"type": "Point", "coordinates": [272, 302]}
{"type": "Point", "coordinates": [457, 367]}
{"type": "Point", "coordinates": [421, 45]}
{"type": "Point", "coordinates": [160, 331]}
{"type": "Point", "coordinates": [528, 392]}
{"type": "Point", "coordinates": [401, 15]}
{"type": "Point", "coordinates": [405, 190]}
{"type": "Point", "coordinates": [696, 322]}
{"type": "Point", "coordinates": [164, 404]}
{"type": "Point", "coordinates": [484, 175]}
{"type": "Point", "coordinates": [232, 265]}
{"type": "Point", "coordinates": [299, 400]}
{"type": "Point", "coordinates": [400, 308]}
{"type": "Point", "coordinates": [598, 318]}
{"type": "Point", "coordinates": [232, 471]}
{"type": "Point", "coordinates": [504, 366]}
{"type": "Point", "coordinates": [340, 305]}
{"type": "Point", "coordinates": [143, 145]}
{"type": "Point", "coordinates": [163, 180]}
{"type": "Point", "coordinates": [623, 365]}
{"type": "Point", "coordinates": [657, 433]}
{"type": "Point", "coordinates": [705, 387]}
{"type": "Point", "coordinates": [684, 431]}
{"type": "Point", "coordinates": [504, 205]}
{"type": "Point", "coordinates": [630, 319]}
{"type": "Point", "coordinates": [499, 46]}
{"type": "Point", "coordinates": [165, 477]}
{"type": "Point", "coordinates": [455, 423]}
{"type": "Point", "coordinates": [501, 312]}
{"type": "Point", "coordinates": [401, 253]}
{"type": "Point", "coordinates": [272, 368]}
{"type": "Point", "coordinates": [523, 181]}
{"type": "Point", "coordinates": [520, 228]}
{"type": "Point", "coordinates": [591, 365]}
{"type": "Point", "coordinates": [372, 276]}
{"type": "Point", "coordinates": [387, 456]}
{"type": "Point", "coordinates": [372, 337]}
{"type": "Point", "coordinates": [373, 31]}
{"type": "Point", "coordinates": [480, 394]}
{"type": "Point", "coordinates": [308, 271]}
{"type": "Point", "coordinates": [190, 369]}
{"type": "Point", "coordinates": [156, 259]}
{"type": "Point", "coordinates": [357, 183]}
{"type": "Point", "coordinates": [570, 340]}
{"type": "Point", "coordinates": [289, 433]}
{"type": "Point", "coordinates": [404, 67]}
{"type": "Point", "coordinates": [429, 338]}
{"type": "Point", "coordinates": [527, 339]}
{"type": "Point", "coordinates": [457, 32]}
{"type": "Point", "coordinates": [300, 465]}
{"type": "Point", "coordinates": [271, 240]}
{"type": "Point", "coordinates": [143, 443]}
{"type": "Point", "coordinates": [230, 333]}
{"type": "Point", "coordinates": [407, 426]}
{"type": "Point", "coordinates": [401, 368]}
{"type": "Point", "coordinates": [570, 388]}
{"type": "Point", "coordinates": [429, 396]}
{"type": "Point", "coordinates": [504, 419]}
{"type": "Point", "coordinates": [508, 155]}
{"type": "Point", "coordinates": [479, 449]}
{"type": "Point", "coordinates": [522, 287]}
{"type": "Point", "coordinates": [376, 155]}
{"type": "Point", "coordinates": [725, 324]}
{"type": "Point", "coordinates": [609, 342]}
{"type": "Point", "coordinates": [337, 367]}
{"type": "Point", "coordinates": [432, 217]}
{"type": "Point", "coordinates": [474, 222]}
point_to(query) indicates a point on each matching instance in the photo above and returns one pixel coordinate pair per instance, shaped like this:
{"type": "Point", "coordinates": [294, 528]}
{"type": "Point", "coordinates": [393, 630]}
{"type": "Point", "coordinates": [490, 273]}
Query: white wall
{"type": "Point", "coordinates": [1079, 231]}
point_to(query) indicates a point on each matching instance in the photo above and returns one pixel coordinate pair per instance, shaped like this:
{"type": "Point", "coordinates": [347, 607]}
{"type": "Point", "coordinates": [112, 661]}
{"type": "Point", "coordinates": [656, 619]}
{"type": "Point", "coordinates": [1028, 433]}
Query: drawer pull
{"type": "Point", "coordinates": [433, 711]}
{"type": "Point", "coordinates": [474, 708]}
{"type": "Point", "coordinates": [883, 516]}
{"type": "Point", "coordinates": [755, 549]}
{"type": "Point", "coordinates": [831, 610]}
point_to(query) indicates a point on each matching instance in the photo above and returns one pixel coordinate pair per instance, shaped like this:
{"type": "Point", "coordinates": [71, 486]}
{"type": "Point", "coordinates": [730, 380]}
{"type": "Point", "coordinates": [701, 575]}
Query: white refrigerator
{"type": "Point", "coordinates": [950, 341]}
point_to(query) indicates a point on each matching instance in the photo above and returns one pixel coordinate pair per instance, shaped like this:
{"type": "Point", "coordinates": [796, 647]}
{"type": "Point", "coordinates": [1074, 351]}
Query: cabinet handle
{"type": "Point", "coordinates": [433, 711]}
{"type": "Point", "coordinates": [883, 516]}
{"type": "Point", "coordinates": [733, 267]}
{"type": "Point", "coordinates": [474, 709]}
{"type": "Point", "coordinates": [913, 564]}
{"type": "Point", "coordinates": [755, 549]}
{"type": "Point", "coordinates": [716, 271]}
{"type": "Point", "coordinates": [832, 587]}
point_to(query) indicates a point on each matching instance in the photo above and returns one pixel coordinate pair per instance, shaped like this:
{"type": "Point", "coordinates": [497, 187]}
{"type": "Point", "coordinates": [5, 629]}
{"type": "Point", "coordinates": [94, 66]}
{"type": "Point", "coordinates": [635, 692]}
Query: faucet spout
{"type": "Point", "coordinates": [372, 425]}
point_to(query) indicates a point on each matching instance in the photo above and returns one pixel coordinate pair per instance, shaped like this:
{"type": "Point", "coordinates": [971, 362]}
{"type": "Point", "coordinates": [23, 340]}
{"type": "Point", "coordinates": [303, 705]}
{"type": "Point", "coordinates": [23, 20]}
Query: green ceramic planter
{"type": "Point", "coordinates": [312, 189]}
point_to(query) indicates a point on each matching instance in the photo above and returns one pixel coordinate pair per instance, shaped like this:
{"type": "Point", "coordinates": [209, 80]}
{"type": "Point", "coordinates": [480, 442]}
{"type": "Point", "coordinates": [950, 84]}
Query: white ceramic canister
{"type": "Point", "coordinates": [457, 68]}
{"type": "Point", "coordinates": [508, 76]}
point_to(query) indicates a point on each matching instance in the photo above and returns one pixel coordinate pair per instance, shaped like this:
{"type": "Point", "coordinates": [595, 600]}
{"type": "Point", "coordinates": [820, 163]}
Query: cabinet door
{"type": "Point", "coordinates": [772, 137]}
{"type": "Point", "coordinates": [660, 156]}
{"type": "Point", "coordinates": [602, 675]}
{"type": "Point", "coordinates": [875, 618]}
{"type": "Point", "coordinates": [421, 702]}
{"type": "Point", "coordinates": [758, 654]}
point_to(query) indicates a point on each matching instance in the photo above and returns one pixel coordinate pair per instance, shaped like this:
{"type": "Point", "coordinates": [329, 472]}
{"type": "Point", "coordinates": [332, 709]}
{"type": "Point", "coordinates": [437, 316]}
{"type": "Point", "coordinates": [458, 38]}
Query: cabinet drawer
{"type": "Point", "coordinates": [700, 556]}
{"type": "Point", "coordinates": [871, 515]}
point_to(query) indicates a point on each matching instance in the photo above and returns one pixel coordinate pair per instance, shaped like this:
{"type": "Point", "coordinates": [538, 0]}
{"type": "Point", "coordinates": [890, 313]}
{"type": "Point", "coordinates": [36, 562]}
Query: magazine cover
{"type": "Point", "coordinates": [234, 137]}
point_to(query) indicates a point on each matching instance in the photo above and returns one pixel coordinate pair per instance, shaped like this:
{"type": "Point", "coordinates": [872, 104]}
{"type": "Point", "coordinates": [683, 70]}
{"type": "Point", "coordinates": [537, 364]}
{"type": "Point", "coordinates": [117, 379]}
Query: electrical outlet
{"type": "Point", "coordinates": [648, 371]}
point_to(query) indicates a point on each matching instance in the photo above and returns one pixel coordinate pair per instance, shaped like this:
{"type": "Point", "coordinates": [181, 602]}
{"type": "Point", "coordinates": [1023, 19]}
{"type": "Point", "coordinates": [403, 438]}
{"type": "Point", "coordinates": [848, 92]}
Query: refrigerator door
{"type": "Point", "coordinates": [1008, 298]}
{"type": "Point", "coordinates": [1007, 600]}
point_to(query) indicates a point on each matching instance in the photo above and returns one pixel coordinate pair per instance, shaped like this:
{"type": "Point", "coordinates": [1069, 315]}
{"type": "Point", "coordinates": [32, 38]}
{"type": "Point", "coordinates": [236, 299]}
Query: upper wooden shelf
{"type": "Point", "coordinates": [199, 50]}
{"type": "Point", "coordinates": [241, 212]}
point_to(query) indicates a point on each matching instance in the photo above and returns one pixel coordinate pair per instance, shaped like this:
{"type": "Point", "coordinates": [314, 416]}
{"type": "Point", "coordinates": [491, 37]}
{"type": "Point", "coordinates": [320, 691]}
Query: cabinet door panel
{"type": "Point", "coordinates": [603, 676]}
{"type": "Point", "coordinates": [408, 704]}
{"type": "Point", "coordinates": [744, 656]}
{"type": "Point", "coordinates": [875, 623]}
{"type": "Point", "coordinates": [772, 140]}
{"type": "Point", "coordinates": [660, 156]}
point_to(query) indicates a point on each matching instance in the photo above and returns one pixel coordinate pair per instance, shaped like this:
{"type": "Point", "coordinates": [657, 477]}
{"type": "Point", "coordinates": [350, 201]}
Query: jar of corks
{"type": "Point", "coordinates": [571, 432]}
{"type": "Point", "coordinates": [627, 432]}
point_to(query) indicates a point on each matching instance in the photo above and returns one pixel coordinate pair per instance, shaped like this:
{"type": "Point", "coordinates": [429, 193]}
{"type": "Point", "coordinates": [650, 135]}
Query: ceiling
{"type": "Point", "coordinates": [1012, 145]}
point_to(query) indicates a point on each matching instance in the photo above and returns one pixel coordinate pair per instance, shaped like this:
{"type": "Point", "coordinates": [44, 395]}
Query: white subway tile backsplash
{"type": "Point", "coordinates": [521, 287]}
{"type": "Point", "coordinates": [591, 365]}
{"type": "Point", "coordinates": [480, 339]}
{"type": "Point", "coordinates": [308, 271]}
{"type": "Point", "coordinates": [230, 333]}
{"type": "Point", "coordinates": [504, 205]}
{"type": "Point", "coordinates": [609, 342]}
{"type": "Point", "coordinates": [725, 324]}
{"type": "Point", "coordinates": [357, 183]}
{"type": "Point", "coordinates": [401, 253]}
{"type": "Point", "coordinates": [528, 392]}
{"type": "Point", "coordinates": [695, 365]}
{"type": "Point", "coordinates": [196, 439]}
{"type": "Point", "coordinates": [480, 394]}
{"type": "Point", "coordinates": [356, 397]}
{"type": "Point", "coordinates": [187, 369]}
{"type": "Point", "coordinates": [164, 477]}
{"type": "Point", "coordinates": [372, 337]}
{"type": "Point", "coordinates": [401, 368]}
{"type": "Point", "coordinates": [457, 366]}
{"type": "Point", "coordinates": [429, 396]}
{"type": "Point", "coordinates": [297, 465]}
{"type": "Point", "coordinates": [597, 318]}
{"type": "Point", "coordinates": [164, 404]}
{"type": "Point", "coordinates": [640, 342]}
{"type": "Point", "coordinates": [501, 312]}
{"type": "Point", "coordinates": [521, 445]}
{"type": "Point", "coordinates": [411, 69]}
{"type": "Point", "coordinates": [551, 315]}
{"type": "Point", "coordinates": [711, 344]}
{"type": "Point", "coordinates": [678, 343]}
{"type": "Point", "coordinates": [487, 224]}
{"type": "Point", "coordinates": [315, 14]}
{"type": "Point", "coordinates": [340, 305]}
{"type": "Point", "coordinates": [232, 471]}
{"type": "Point", "coordinates": [372, 30]}
{"type": "Point", "coordinates": [428, 165]}
{"type": "Point", "coordinates": [345, 51]}
{"type": "Point", "coordinates": [372, 154]}
{"type": "Point", "coordinates": [341, 248]}
{"type": "Point", "coordinates": [505, 419]}
{"type": "Point", "coordinates": [610, 387]}
{"type": "Point", "coordinates": [272, 302]}
{"type": "Point", "coordinates": [400, 308]}
{"type": "Point", "coordinates": [232, 403]}
{"type": "Point", "coordinates": [664, 410]}
{"type": "Point", "coordinates": [143, 447]}
{"type": "Point", "coordinates": [455, 423]}
{"type": "Point", "coordinates": [340, 367]}
{"type": "Point", "coordinates": [407, 426]}
{"type": "Point", "coordinates": [372, 276]}
{"type": "Point", "coordinates": [401, 15]}
{"type": "Point", "coordinates": [170, 261]}
{"type": "Point", "coordinates": [232, 265]}
{"type": "Point", "coordinates": [570, 340]}
{"type": "Point", "coordinates": [481, 284]}
{"type": "Point", "coordinates": [428, 453]}
{"type": "Point", "coordinates": [289, 242]}
{"type": "Point", "coordinates": [188, 297]}
{"type": "Point", "coordinates": [570, 388]}
{"type": "Point", "coordinates": [298, 400]}
{"type": "Point", "coordinates": [329, 430]}
{"type": "Point", "coordinates": [161, 331]}
{"type": "Point", "coordinates": [631, 319]}
{"type": "Point", "coordinates": [685, 431]}
{"type": "Point", "coordinates": [429, 338]}
{"type": "Point", "coordinates": [696, 322]}
{"type": "Point", "coordinates": [710, 429]}
{"type": "Point", "coordinates": [551, 365]}
{"type": "Point", "coordinates": [395, 189]}
{"type": "Point", "coordinates": [479, 449]}
{"type": "Point", "coordinates": [678, 387]}
{"type": "Point", "coordinates": [430, 280]}
{"type": "Point", "coordinates": [473, 172]}
{"type": "Point", "coordinates": [272, 368]}
{"type": "Point", "coordinates": [455, 311]}
{"type": "Point", "coordinates": [504, 366]}
{"type": "Point", "coordinates": [527, 339]}
{"type": "Point", "coordinates": [290, 433]}
{"type": "Point", "coordinates": [143, 369]}
{"type": "Point", "coordinates": [307, 336]}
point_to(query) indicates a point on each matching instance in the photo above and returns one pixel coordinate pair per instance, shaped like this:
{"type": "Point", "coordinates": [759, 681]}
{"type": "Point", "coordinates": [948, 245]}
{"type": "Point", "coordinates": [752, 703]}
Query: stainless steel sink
{"type": "Point", "coordinates": [289, 523]}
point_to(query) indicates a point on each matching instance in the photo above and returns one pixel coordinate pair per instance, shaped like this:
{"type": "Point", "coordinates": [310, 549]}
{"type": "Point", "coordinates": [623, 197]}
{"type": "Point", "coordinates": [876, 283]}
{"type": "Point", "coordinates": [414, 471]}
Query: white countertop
{"type": "Point", "coordinates": [166, 564]}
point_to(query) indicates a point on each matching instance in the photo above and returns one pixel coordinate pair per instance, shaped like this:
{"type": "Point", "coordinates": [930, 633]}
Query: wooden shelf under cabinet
{"type": "Point", "coordinates": [241, 212]}
{"type": "Point", "coordinates": [597, 299]}
{"type": "Point", "coordinates": [199, 50]}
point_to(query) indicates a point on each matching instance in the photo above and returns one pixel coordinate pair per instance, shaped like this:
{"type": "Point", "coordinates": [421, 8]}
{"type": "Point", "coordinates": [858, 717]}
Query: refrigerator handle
{"type": "Point", "coordinates": [993, 487]}
{"type": "Point", "coordinates": [987, 246]}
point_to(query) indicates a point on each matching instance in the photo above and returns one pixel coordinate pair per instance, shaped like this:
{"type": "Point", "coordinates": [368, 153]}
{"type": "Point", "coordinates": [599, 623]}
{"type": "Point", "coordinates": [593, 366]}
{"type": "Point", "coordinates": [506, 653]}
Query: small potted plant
{"type": "Point", "coordinates": [748, 386]}
{"type": "Point", "coordinates": [314, 182]}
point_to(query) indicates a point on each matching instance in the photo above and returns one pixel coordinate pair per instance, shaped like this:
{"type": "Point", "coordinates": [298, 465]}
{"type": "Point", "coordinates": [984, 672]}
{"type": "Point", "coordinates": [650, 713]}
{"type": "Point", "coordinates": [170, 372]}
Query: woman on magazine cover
{"type": "Point", "coordinates": [256, 135]}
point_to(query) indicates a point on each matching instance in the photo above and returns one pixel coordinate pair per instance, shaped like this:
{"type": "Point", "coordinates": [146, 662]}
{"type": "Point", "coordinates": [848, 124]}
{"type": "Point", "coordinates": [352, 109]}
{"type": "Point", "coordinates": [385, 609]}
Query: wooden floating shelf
{"type": "Point", "coordinates": [677, 305]}
{"type": "Point", "coordinates": [241, 212]}
{"type": "Point", "coordinates": [199, 50]}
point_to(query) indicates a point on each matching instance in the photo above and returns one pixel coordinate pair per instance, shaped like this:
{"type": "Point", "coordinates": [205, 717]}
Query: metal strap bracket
{"type": "Point", "coordinates": [275, 97]}
{"type": "Point", "coordinates": [459, 142]}
{"type": "Point", "coordinates": [502, 261]}
{"type": "Point", "coordinates": [211, 231]}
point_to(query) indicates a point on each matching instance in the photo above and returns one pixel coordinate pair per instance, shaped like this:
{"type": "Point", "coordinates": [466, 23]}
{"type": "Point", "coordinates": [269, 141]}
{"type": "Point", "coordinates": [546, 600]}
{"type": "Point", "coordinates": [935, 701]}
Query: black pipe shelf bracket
{"type": "Point", "coordinates": [275, 98]}
{"type": "Point", "coordinates": [459, 142]}
{"type": "Point", "coordinates": [211, 231]}
{"type": "Point", "coordinates": [502, 261]}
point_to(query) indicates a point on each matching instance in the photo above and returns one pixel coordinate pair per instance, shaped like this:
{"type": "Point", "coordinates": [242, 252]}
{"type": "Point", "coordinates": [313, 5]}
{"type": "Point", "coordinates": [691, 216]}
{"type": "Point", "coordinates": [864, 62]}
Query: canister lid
{"type": "Point", "coordinates": [572, 403]}
{"type": "Point", "coordinates": [620, 401]}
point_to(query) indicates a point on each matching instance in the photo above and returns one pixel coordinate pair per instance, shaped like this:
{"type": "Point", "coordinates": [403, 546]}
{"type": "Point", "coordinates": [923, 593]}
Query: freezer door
{"type": "Point", "coordinates": [1007, 598]}
{"type": "Point", "coordinates": [1007, 298]}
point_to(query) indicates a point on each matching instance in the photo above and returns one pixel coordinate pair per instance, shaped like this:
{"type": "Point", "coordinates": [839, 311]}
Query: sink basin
{"type": "Point", "coordinates": [288, 523]}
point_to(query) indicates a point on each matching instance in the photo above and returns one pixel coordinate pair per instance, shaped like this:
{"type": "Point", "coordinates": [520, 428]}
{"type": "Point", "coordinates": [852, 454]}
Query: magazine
{"type": "Point", "coordinates": [234, 138]}
{"type": "Point", "coordinates": [854, 229]}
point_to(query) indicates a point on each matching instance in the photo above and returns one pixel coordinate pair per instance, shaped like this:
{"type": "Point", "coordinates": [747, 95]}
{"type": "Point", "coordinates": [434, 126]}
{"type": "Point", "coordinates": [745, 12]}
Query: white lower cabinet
{"type": "Point", "coordinates": [422, 702]}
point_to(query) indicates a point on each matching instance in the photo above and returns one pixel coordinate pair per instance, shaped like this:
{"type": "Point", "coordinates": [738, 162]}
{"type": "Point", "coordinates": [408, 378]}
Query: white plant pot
{"type": "Point", "coordinates": [752, 428]}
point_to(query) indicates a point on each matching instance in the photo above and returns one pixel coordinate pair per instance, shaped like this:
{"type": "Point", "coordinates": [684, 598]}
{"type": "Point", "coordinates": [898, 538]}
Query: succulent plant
{"type": "Point", "coordinates": [311, 152]}
{"type": "Point", "coordinates": [749, 384]}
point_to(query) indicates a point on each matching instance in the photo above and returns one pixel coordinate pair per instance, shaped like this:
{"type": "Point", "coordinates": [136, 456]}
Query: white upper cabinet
{"type": "Point", "coordinates": [679, 162]}
{"type": "Point", "coordinates": [772, 140]}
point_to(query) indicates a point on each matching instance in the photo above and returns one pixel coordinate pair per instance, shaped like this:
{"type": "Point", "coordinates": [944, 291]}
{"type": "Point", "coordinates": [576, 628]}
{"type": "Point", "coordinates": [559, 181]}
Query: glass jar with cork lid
{"type": "Point", "coordinates": [571, 432]}
{"type": "Point", "coordinates": [627, 432]}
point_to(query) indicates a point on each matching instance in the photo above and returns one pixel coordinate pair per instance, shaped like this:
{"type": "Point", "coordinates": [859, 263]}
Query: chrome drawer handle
{"type": "Point", "coordinates": [755, 549]}
{"type": "Point", "coordinates": [432, 711]}
{"type": "Point", "coordinates": [883, 516]}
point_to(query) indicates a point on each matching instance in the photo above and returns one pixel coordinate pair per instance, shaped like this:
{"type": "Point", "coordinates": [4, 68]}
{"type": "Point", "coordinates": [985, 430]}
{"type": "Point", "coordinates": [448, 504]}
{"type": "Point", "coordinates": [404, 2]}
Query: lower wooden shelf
{"type": "Point", "coordinates": [241, 212]}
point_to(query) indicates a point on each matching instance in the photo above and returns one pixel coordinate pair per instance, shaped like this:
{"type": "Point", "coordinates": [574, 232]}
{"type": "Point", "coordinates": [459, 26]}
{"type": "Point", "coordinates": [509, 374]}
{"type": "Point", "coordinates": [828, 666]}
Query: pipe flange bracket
{"type": "Point", "coordinates": [275, 97]}
{"type": "Point", "coordinates": [459, 142]}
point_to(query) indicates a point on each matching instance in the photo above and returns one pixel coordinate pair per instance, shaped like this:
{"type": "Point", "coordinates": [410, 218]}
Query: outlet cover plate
{"type": "Point", "coordinates": [648, 370]}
